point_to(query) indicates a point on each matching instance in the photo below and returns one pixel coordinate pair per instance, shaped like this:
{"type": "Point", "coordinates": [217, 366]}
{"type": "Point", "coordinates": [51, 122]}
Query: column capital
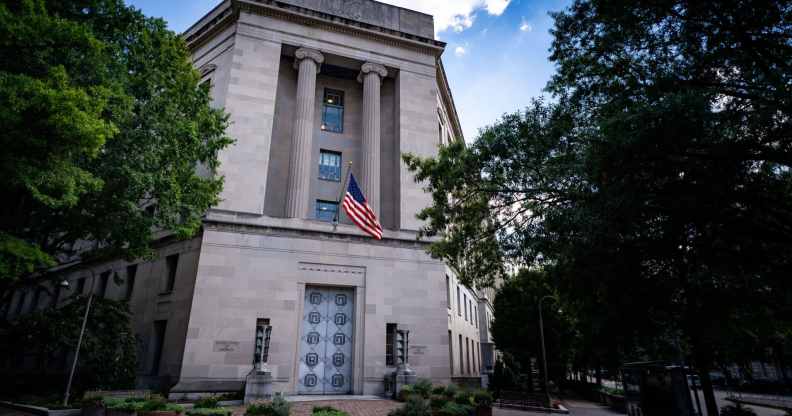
{"type": "Point", "coordinates": [308, 53]}
{"type": "Point", "coordinates": [370, 67]}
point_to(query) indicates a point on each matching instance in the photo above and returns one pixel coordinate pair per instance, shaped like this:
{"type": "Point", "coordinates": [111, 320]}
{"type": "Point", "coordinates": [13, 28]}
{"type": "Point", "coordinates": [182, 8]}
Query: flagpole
{"type": "Point", "coordinates": [341, 196]}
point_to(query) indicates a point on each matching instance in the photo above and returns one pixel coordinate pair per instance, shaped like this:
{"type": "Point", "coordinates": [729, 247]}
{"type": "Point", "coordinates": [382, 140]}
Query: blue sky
{"type": "Point", "coordinates": [496, 57]}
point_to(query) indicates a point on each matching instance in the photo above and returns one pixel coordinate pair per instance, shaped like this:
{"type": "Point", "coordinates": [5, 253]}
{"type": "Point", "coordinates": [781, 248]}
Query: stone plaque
{"type": "Point", "coordinates": [226, 346]}
{"type": "Point", "coordinates": [417, 349]}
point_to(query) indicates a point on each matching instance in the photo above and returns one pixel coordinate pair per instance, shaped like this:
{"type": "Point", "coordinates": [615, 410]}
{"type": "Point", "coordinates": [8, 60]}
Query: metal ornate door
{"type": "Point", "coordinates": [326, 341]}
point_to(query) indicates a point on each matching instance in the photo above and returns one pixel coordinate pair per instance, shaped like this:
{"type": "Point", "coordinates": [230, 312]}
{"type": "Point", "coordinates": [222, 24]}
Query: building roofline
{"type": "Point", "coordinates": [228, 12]}
{"type": "Point", "coordinates": [448, 100]}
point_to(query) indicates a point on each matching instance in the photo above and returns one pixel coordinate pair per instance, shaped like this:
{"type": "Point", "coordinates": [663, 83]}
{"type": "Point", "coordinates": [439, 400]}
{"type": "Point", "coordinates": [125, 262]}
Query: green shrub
{"type": "Point", "coordinates": [405, 393]}
{"type": "Point", "coordinates": [414, 406]}
{"type": "Point", "coordinates": [463, 397]}
{"type": "Point", "coordinates": [423, 387]}
{"type": "Point", "coordinates": [451, 390]}
{"type": "Point", "coordinates": [437, 401]}
{"type": "Point", "coordinates": [738, 410]}
{"type": "Point", "coordinates": [130, 404]}
{"type": "Point", "coordinates": [439, 389]}
{"type": "Point", "coordinates": [277, 407]}
{"type": "Point", "coordinates": [156, 404]}
{"type": "Point", "coordinates": [482, 398]}
{"type": "Point", "coordinates": [208, 402]}
{"type": "Point", "coordinates": [455, 409]}
{"type": "Point", "coordinates": [327, 411]}
{"type": "Point", "coordinates": [208, 411]}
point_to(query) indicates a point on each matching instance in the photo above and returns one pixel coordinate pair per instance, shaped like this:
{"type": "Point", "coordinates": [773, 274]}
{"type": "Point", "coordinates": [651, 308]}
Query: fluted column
{"type": "Point", "coordinates": [307, 62]}
{"type": "Point", "coordinates": [371, 75]}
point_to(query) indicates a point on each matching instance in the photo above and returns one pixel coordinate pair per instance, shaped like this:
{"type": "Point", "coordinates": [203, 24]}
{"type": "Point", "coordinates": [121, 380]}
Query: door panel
{"type": "Point", "coordinates": [326, 341]}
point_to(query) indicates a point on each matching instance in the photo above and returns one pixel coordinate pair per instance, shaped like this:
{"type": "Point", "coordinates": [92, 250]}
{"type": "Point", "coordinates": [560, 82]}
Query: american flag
{"type": "Point", "coordinates": [359, 211]}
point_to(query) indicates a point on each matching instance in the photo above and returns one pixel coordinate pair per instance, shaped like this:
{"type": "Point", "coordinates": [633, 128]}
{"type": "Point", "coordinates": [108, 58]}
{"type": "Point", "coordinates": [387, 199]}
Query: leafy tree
{"type": "Point", "coordinates": [107, 358]}
{"type": "Point", "coordinates": [657, 189]}
{"type": "Point", "coordinates": [102, 117]}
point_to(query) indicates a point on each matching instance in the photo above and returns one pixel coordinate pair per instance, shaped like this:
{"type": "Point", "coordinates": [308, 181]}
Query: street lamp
{"type": "Point", "coordinates": [79, 340]}
{"type": "Point", "coordinates": [544, 353]}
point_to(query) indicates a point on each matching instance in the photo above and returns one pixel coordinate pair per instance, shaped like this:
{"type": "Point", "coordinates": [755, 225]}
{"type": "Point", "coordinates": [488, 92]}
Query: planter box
{"type": "Point", "coordinates": [484, 411]}
{"type": "Point", "coordinates": [93, 411]}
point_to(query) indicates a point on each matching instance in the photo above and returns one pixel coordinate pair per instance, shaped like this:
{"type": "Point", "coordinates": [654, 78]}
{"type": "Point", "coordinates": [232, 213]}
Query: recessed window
{"type": "Point", "coordinates": [326, 210]}
{"type": "Point", "coordinates": [130, 281]}
{"type": "Point", "coordinates": [330, 165]}
{"type": "Point", "coordinates": [263, 332]}
{"type": "Point", "coordinates": [171, 265]}
{"type": "Point", "coordinates": [333, 111]}
{"type": "Point", "coordinates": [390, 344]}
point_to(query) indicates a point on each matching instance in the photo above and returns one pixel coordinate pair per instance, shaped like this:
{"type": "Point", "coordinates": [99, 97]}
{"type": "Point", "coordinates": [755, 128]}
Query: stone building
{"type": "Point", "coordinates": [311, 86]}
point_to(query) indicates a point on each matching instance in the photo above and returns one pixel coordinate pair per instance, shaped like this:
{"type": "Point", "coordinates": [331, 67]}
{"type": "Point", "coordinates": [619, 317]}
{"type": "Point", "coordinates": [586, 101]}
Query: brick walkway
{"type": "Point", "coordinates": [353, 407]}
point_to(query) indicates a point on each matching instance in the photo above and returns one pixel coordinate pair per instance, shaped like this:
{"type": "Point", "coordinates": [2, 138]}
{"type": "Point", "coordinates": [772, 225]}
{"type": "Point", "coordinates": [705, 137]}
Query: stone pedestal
{"type": "Point", "coordinates": [404, 376]}
{"type": "Point", "coordinates": [258, 386]}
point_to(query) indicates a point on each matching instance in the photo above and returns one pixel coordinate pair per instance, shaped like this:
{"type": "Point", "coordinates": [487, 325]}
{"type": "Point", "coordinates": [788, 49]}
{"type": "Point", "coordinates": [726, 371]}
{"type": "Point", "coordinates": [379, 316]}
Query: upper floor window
{"type": "Point", "coordinates": [333, 111]}
{"type": "Point", "coordinates": [330, 166]}
{"type": "Point", "coordinates": [326, 210]}
{"type": "Point", "coordinates": [171, 265]}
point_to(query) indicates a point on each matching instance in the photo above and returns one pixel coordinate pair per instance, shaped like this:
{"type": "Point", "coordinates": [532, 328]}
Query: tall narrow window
{"type": "Point", "coordinates": [461, 356]}
{"type": "Point", "coordinates": [459, 302]}
{"type": "Point", "coordinates": [104, 278]}
{"type": "Point", "coordinates": [21, 304]}
{"type": "Point", "coordinates": [465, 303]}
{"type": "Point", "coordinates": [80, 286]}
{"type": "Point", "coordinates": [333, 111]}
{"type": "Point", "coordinates": [131, 272]}
{"type": "Point", "coordinates": [390, 344]}
{"type": "Point", "coordinates": [326, 210]}
{"type": "Point", "coordinates": [56, 296]}
{"type": "Point", "coordinates": [475, 315]}
{"type": "Point", "coordinates": [263, 332]}
{"type": "Point", "coordinates": [171, 264]}
{"type": "Point", "coordinates": [450, 352]}
{"type": "Point", "coordinates": [448, 292]}
{"type": "Point", "coordinates": [330, 165]}
{"type": "Point", "coordinates": [157, 342]}
{"type": "Point", "coordinates": [36, 298]}
{"type": "Point", "coordinates": [467, 354]}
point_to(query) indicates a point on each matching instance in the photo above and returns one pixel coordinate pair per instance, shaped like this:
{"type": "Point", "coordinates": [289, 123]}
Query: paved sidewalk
{"type": "Point", "coordinates": [576, 408]}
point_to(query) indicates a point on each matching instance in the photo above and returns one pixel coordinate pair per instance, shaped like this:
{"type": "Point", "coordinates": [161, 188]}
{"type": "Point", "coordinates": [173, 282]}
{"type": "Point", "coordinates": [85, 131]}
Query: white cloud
{"type": "Point", "coordinates": [525, 26]}
{"type": "Point", "coordinates": [456, 15]}
{"type": "Point", "coordinates": [460, 51]}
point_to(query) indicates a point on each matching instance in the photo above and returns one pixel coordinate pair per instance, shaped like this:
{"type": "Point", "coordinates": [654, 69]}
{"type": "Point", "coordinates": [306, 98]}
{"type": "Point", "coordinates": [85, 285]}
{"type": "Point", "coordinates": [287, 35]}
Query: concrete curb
{"type": "Point", "coordinates": [41, 411]}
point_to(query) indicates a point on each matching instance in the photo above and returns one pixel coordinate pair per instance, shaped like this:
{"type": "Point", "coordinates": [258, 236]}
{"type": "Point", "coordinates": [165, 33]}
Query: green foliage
{"type": "Point", "coordinates": [108, 354]}
{"type": "Point", "coordinates": [436, 401]}
{"type": "Point", "coordinates": [736, 410]}
{"type": "Point", "coordinates": [414, 406]}
{"type": "Point", "coordinates": [327, 411]}
{"type": "Point", "coordinates": [405, 392]}
{"type": "Point", "coordinates": [208, 402]}
{"type": "Point", "coordinates": [155, 404]}
{"type": "Point", "coordinates": [277, 407]}
{"type": "Point", "coordinates": [439, 389]}
{"type": "Point", "coordinates": [451, 390]}
{"type": "Point", "coordinates": [105, 118]}
{"type": "Point", "coordinates": [653, 191]}
{"type": "Point", "coordinates": [130, 405]}
{"type": "Point", "coordinates": [455, 409]}
{"type": "Point", "coordinates": [613, 391]}
{"type": "Point", "coordinates": [209, 411]}
{"type": "Point", "coordinates": [423, 387]}
{"type": "Point", "coordinates": [463, 397]}
{"type": "Point", "coordinates": [482, 398]}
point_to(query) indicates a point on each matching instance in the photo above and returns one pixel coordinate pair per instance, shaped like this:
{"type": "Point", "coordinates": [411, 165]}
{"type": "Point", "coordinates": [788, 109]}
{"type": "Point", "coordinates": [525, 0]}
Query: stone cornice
{"type": "Point", "coordinates": [201, 32]}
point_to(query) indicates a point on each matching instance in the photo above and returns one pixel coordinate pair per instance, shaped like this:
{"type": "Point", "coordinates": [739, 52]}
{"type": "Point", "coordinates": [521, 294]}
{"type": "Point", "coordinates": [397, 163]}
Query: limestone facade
{"type": "Point", "coordinates": [275, 67]}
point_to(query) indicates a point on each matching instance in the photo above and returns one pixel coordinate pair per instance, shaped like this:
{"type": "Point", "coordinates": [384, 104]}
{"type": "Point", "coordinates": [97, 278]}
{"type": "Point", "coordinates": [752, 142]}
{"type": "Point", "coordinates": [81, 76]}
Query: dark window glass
{"type": "Point", "coordinates": [450, 352]}
{"type": "Point", "coordinates": [157, 343]}
{"type": "Point", "coordinates": [390, 344]}
{"type": "Point", "coordinates": [104, 278]}
{"type": "Point", "coordinates": [130, 281]}
{"type": "Point", "coordinates": [80, 286]}
{"type": "Point", "coordinates": [461, 356]}
{"type": "Point", "coordinates": [36, 298]}
{"type": "Point", "coordinates": [333, 111]}
{"type": "Point", "coordinates": [326, 210]}
{"type": "Point", "coordinates": [171, 263]}
{"type": "Point", "coordinates": [459, 303]}
{"type": "Point", "coordinates": [21, 304]}
{"type": "Point", "coordinates": [448, 292]}
{"type": "Point", "coordinates": [330, 166]}
{"type": "Point", "coordinates": [263, 332]}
